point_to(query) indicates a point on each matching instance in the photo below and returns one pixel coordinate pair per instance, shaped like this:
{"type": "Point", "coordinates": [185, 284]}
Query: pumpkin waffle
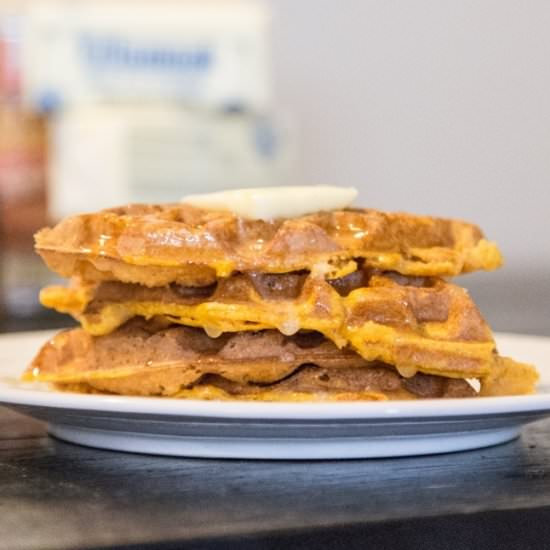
{"type": "Point", "coordinates": [155, 245]}
{"type": "Point", "coordinates": [420, 323]}
{"type": "Point", "coordinates": [155, 358]}
{"type": "Point", "coordinates": [349, 304]}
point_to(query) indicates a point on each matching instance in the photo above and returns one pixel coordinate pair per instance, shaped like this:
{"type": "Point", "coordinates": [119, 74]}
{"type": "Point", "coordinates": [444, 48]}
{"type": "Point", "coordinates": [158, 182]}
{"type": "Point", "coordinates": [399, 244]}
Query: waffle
{"type": "Point", "coordinates": [349, 304]}
{"type": "Point", "coordinates": [158, 245]}
{"type": "Point", "coordinates": [422, 324]}
{"type": "Point", "coordinates": [155, 358]}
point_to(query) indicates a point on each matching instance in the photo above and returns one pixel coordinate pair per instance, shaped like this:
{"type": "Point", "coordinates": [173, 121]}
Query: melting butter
{"type": "Point", "coordinates": [474, 383]}
{"type": "Point", "coordinates": [213, 332]}
{"type": "Point", "coordinates": [406, 372]}
{"type": "Point", "coordinates": [289, 327]}
{"type": "Point", "coordinates": [268, 203]}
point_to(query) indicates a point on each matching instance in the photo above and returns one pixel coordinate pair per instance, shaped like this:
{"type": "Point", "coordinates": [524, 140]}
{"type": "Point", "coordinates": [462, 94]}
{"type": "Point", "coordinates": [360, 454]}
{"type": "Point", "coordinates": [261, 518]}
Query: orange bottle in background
{"type": "Point", "coordinates": [23, 144]}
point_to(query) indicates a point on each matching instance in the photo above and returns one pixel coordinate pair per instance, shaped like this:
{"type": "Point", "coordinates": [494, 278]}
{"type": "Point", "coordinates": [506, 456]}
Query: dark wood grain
{"type": "Point", "coordinates": [58, 495]}
{"type": "Point", "coordinates": [15, 426]}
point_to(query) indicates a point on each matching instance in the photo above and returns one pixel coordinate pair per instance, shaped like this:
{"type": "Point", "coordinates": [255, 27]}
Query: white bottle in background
{"type": "Point", "coordinates": [109, 155]}
{"type": "Point", "coordinates": [209, 53]}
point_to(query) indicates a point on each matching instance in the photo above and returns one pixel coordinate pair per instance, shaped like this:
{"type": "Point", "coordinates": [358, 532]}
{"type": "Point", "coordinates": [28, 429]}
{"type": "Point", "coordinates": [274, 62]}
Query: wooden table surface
{"type": "Point", "coordinates": [55, 495]}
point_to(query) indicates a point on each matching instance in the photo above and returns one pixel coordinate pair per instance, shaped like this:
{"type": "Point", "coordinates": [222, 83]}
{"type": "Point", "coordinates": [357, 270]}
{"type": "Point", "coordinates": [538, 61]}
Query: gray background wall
{"type": "Point", "coordinates": [432, 106]}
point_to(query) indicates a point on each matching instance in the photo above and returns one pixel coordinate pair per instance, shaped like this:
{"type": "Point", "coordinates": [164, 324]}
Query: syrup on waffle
{"type": "Point", "coordinates": [422, 324]}
{"type": "Point", "coordinates": [347, 304]}
{"type": "Point", "coordinates": [153, 358]}
{"type": "Point", "coordinates": [156, 245]}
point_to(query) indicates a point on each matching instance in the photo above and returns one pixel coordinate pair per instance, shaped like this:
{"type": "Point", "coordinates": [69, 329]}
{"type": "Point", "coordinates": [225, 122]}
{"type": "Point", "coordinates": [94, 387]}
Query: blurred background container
{"type": "Point", "coordinates": [110, 103]}
{"type": "Point", "coordinates": [436, 107]}
{"type": "Point", "coordinates": [23, 203]}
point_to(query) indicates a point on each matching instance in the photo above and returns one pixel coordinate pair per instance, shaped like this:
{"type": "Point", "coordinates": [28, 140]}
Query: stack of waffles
{"type": "Point", "coordinates": [351, 304]}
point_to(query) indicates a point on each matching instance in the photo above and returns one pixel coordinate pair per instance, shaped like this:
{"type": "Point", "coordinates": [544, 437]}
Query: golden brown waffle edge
{"type": "Point", "coordinates": [155, 245]}
{"type": "Point", "coordinates": [148, 358]}
{"type": "Point", "coordinates": [155, 271]}
{"type": "Point", "coordinates": [434, 328]}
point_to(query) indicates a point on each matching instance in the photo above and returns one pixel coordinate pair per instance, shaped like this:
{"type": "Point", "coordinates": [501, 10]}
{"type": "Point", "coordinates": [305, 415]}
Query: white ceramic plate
{"type": "Point", "coordinates": [276, 430]}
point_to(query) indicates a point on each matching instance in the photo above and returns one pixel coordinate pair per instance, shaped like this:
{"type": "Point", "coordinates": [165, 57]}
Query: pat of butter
{"type": "Point", "coordinates": [268, 203]}
{"type": "Point", "coordinates": [474, 383]}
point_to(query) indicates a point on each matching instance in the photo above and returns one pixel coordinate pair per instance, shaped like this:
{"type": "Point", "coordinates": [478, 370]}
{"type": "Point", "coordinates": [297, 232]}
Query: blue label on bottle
{"type": "Point", "coordinates": [102, 52]}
